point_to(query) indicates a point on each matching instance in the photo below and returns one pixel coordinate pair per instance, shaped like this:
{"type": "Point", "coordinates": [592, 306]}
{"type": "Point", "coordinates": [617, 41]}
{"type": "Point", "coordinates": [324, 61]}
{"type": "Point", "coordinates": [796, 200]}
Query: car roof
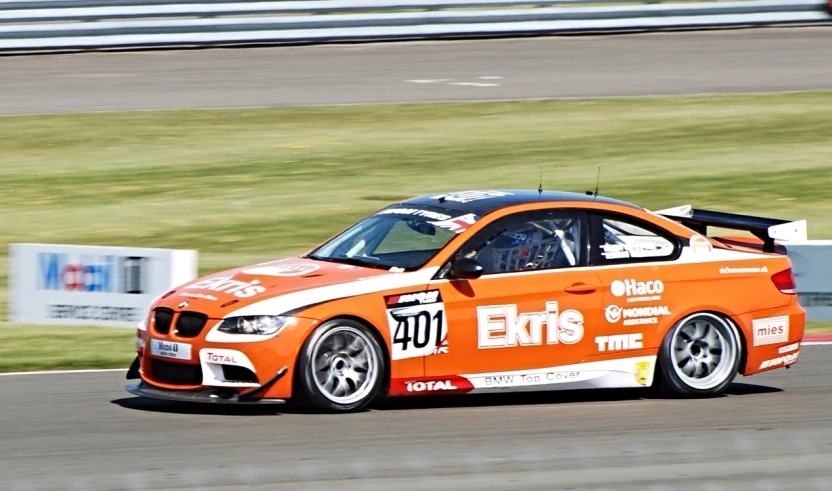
{"type": "Point", "coordinates": [484, 201]}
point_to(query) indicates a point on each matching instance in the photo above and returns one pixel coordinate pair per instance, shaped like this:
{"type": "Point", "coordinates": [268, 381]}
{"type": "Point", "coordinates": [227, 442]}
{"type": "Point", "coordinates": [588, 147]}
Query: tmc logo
{"type": "Point", "coordinates": [103, 274]}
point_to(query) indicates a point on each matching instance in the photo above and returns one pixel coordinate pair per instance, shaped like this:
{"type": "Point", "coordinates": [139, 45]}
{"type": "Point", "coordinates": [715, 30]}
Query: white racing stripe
{"type": "Point", "coordinates": [291, 301]}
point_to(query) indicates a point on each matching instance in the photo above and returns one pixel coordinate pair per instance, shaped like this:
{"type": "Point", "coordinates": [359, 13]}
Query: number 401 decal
{"type": "Point", "coordinates": [417, 324]}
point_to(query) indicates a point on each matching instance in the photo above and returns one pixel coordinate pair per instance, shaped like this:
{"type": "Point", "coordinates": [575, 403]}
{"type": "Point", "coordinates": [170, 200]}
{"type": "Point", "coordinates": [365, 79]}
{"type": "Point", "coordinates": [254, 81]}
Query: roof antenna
{"type": "Point", "coordinates": [540, 187]}
{"type": "Point", "coordinates": [597, 181]}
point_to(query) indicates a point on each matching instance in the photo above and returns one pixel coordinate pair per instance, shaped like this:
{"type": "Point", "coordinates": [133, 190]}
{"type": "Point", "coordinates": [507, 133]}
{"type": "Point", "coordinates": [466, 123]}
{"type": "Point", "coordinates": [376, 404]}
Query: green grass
{"type": "Point", "coordinates": [818, 327]}
{"type": "Point", "coordinates": [27, 347]}
{"type": "Point", "coordinates": [250, 185]}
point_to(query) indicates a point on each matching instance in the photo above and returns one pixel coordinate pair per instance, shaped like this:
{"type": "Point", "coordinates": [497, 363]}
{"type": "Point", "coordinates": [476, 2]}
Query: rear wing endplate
{"type": "Point", "coordinates": [766, 229]}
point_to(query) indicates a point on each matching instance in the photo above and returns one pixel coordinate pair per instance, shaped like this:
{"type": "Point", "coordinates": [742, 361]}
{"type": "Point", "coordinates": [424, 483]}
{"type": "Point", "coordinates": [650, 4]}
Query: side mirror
{"type": "Point", "coordinates": [465, 268]}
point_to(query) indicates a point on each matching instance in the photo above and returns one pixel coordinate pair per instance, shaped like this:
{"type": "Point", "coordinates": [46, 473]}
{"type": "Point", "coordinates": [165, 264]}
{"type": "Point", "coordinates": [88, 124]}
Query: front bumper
{"type": "Point", "coordinates": [213, 395]}
{"type": "Point", "coordinates": [254, 369]}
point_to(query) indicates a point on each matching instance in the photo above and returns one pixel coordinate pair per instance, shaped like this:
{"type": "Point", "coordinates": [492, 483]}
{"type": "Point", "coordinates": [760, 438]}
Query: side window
{"type": "Point", "coordinates": [626, 240]}
{"type": "Point", "coordinates": [529, 241]}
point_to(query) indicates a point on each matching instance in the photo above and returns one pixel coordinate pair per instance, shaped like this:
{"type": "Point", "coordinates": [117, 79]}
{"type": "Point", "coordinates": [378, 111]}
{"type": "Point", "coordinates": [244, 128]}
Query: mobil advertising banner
{"type": "Point", "coordinates": [91, 285]}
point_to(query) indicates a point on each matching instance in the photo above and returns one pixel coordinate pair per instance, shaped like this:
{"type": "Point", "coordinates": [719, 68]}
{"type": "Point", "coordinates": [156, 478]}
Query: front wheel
{"type": "Point", "coordinates": [341, 366]}
{"type": "Point", "coordinates": [700, 355]}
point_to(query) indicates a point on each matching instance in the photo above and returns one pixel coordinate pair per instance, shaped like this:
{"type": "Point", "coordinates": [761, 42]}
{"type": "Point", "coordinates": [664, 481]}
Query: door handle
{"type": "Point", "coordinates": [581, 288]}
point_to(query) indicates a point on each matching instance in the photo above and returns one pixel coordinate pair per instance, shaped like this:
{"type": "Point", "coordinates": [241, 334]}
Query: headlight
{"type": "Point", "coordinates": [261, 324]}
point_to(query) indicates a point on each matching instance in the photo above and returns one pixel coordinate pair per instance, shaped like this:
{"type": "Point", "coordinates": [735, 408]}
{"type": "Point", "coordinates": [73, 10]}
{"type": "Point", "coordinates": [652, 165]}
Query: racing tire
{"type": "Point", "coordinates": [341, 367]}
{"type": "Point", "coordinates": [700, 356]}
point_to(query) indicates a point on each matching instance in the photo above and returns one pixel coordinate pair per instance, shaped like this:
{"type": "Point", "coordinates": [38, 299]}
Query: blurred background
{"type": "Point", "coordinates": [242, 132]}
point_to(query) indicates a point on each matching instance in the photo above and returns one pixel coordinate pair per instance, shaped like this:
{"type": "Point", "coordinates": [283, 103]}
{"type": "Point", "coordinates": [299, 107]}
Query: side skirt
{"type": "Point", "coordinates": [636, 372]}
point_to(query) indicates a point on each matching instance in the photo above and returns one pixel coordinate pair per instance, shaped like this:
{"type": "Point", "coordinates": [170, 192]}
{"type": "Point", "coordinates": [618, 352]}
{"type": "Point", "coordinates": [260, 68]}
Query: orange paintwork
{"type": "Point", "coordinates": [687, 287]}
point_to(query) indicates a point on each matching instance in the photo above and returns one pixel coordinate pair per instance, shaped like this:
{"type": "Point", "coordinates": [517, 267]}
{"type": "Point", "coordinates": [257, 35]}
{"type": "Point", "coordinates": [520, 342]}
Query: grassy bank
{"type": "Point", "coordinates": [26, 348]}
{"type": "Point", "coordinates": [250, 185]}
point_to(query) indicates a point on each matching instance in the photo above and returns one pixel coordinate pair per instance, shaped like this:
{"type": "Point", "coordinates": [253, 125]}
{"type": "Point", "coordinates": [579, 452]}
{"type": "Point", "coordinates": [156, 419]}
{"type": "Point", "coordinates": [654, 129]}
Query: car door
{"type": "Point", "coordinates": [534, 307]}
{"type": "Point", "coordinates": [634, 260]}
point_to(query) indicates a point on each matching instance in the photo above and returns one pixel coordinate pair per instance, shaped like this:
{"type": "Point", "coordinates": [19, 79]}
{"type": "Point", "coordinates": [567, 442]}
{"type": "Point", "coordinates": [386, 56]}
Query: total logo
{"type": "Point", "coordinates": [780, 360]}
{"type": "Point", "coordinates": [635, 316]}
{"type": "Point", "coordinates": [220, 358]}
{"type": "Point", "coordinates": [500, 326]}
{"type": "Point", "coordinates": [430, 386]}
{"type": "Point", "coordinates": [241, 289]}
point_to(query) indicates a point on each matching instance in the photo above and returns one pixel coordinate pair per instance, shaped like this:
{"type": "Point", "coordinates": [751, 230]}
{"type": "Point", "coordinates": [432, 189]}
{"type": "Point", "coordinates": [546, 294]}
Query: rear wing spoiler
{"type": "Point", "coordinates": [766, 229]}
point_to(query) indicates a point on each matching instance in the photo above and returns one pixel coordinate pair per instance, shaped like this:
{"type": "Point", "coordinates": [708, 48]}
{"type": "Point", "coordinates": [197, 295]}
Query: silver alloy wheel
{"type": "Point", "coordinates": [344, 364]}
{"type": "Point", "coordinates": [704, 351]}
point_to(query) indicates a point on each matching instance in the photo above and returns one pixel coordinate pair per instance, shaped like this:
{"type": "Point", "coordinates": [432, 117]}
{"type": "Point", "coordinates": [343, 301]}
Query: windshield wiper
{"type": "Point", "coordinates": [349, 260]}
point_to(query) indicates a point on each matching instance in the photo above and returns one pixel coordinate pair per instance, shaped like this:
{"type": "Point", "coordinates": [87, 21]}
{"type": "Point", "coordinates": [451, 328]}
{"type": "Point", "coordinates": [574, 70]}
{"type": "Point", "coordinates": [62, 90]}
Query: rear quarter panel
{"type": "Point", "coordinates": [655, 296]}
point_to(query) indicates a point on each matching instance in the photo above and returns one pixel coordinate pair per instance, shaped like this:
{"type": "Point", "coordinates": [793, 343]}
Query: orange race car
{"type": "Point", "coordinates": [484, 291]}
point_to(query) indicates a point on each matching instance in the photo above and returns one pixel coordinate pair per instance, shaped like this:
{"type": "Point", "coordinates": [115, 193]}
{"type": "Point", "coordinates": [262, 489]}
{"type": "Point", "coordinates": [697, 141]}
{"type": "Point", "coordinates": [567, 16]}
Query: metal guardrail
{"type": "Point", "coordinates": [99, 24]}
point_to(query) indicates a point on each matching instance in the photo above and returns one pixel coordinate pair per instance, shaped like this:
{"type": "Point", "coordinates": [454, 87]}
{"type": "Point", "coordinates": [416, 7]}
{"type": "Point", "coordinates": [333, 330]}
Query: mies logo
{"type": "Point", "coordinates": [92, 273]}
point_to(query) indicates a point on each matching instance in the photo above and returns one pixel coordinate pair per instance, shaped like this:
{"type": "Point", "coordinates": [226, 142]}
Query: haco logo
{"type": "Point", "coordinates": [501, 326]}
{"type": "Point", "coordinates": [632, 287]}
{"type": "Point", "coordinates": [636, 315]}
{"type": "Point", "coordinates": [781, 360]}
{"type": "Point", "coordinates": [242, 289]}
{"type": "Point", "coordinates": [91, 273]}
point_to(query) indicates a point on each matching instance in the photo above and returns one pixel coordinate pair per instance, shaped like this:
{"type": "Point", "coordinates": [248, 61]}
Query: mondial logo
{"type": "Point", "coordinates": [612, 313]}
{"type": "Point", "coordinates": [637, 315]}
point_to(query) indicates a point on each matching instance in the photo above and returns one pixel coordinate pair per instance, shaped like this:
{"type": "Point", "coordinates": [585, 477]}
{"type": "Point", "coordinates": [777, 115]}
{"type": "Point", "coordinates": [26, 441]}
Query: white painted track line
{"type": "Point", "coordinates": [60, 372]}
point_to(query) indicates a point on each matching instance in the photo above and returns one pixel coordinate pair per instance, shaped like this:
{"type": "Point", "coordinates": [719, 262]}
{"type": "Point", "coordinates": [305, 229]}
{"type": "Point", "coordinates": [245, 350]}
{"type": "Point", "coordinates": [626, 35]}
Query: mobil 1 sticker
{"type": "Point", "coordinates": [417, 322]}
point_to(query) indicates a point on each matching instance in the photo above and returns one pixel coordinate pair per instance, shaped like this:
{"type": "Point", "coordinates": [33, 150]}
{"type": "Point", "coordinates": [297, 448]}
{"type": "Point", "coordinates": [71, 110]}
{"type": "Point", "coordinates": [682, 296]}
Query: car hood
{"type": "Point", "coordinates": [278, 287]}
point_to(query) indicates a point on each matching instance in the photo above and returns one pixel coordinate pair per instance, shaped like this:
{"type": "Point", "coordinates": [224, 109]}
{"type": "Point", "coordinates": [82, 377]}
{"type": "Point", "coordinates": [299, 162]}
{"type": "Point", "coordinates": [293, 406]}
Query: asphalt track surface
{"type": "Point", "coordinates": [84, 432]}
{"type": "Point", "coordinates": [751, 60]}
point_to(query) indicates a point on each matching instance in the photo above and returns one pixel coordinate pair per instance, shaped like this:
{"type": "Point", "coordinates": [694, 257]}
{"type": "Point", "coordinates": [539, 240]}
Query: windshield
{"type": "Point", "coordinates": [397, 237]}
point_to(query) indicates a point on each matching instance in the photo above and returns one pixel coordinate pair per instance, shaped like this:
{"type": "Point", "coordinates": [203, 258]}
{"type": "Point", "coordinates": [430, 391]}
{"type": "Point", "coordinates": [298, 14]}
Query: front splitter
{"type": "Point", "coordinates": [210, 396]}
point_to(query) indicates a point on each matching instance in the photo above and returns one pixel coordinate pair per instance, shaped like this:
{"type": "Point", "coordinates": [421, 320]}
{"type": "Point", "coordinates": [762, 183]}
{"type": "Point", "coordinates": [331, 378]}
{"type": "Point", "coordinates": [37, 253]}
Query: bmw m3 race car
{"type": "Point", "coordinates": [484, 291]}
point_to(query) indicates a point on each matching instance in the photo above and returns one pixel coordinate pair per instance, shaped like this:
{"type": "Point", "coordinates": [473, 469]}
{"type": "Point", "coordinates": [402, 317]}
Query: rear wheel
{"type": "Point", "coordinates": [700, 356]}
{"type": "Point", "coordinates": [341, 366]}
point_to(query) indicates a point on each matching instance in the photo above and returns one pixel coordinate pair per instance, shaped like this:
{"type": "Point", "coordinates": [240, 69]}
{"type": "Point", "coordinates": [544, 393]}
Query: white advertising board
{"type": "Point", "coordinates": [812, 267]}
{"type": "Point", "coordinates": [90, 285]}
